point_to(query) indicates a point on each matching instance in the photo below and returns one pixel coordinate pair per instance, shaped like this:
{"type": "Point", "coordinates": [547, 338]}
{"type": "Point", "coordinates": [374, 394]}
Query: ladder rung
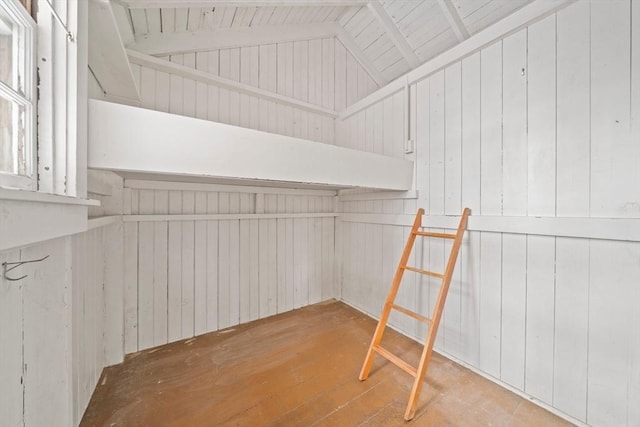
{"type": "Point", "coordinates": [396, 360]}
{"type": "Point", "coordinates": [430, 234]}
{"type": "Point", "coordinates": [411, 313]}
{"type": "Point", "coordinates": [428, 273]}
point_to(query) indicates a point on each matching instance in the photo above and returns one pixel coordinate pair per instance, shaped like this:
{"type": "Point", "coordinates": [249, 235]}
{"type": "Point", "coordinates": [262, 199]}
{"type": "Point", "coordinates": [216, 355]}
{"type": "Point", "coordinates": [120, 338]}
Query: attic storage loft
{"type": "Point", "coordinates": [121, 138]}
{"type": "Point", "coordinates": [223, 189]}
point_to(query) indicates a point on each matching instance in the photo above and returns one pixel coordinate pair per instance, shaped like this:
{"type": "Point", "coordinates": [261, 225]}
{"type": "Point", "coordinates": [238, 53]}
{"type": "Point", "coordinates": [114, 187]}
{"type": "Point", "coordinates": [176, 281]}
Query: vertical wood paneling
{"type": "Point", "coordinates": [542, 117]}
{"type": "Point", "coordinates": [572, 199]}
{"type": "Point", "coordinates": [328, 73]}
{"type": "Point", "coordinates": [254, 271]}
{"type": "Point", "coordinates": [614, 268]}
{"type": "Point", "coordinates": [453, 139]}
{"type": "Point", "coordinates": [470, 170]}
{"type": "Point", "coordinates": [514, 127]}
{"type": "Point", "coordinates": [340, 71]}
{"type": "Point", "coordinates": [176, 86]}
{"type": "Point", "coordinates": [245, 270]}
{"type": "Point", "coordinates": [130, 277]}
{"type": "Point", "coordinates": [491, 130]}
{"type": "Point", "coordinates": [543, 122]}
{"type": "Point", "coordinates": [224, 275]}
{"type": "Point", "coordinates": [212, 265]}
{"type": "Point", "coordinates": [514, 200]}
{"type": "Point", "coordinates": [213, 107]}
{"type": "Point", "coordinates": [11, 357]}
{"type": "Point", "coordinates": [189, 88]}
{"type": "Point", "coordinates": [571, 327]}
{"type": "Point", "coordinates": [573, 110]}
{"type": "Point", "coordinates": [224, 272]}
{"type": "Point", "coordinates": [234, 262]}
{"type": "Point", "coordinates": [610, 115]}
{"type": "Point", "coordinates": [43, 304]}
{"type": "Point", "coordinates": [202, 95]}
{"type": "Point", "coordinates": [174, 272]}
{"type": "Point", "coordinates": [314, 246]}
{"type": "Point", "coordinates": [514, 301]}
{"type": "Point", "coordinates": [633, 411]}
{"type": "Point", "coordinates": [329, 261]}
{"type": "Point", "coordinates": [160, 240]}
{"type": "Point", "coordinates": [540, 320]}
{"type": "Point", "coordinates": [145, 273]}
{"type": "Point", "coordinates": [200, 266]}
{"type": "Point", "coordinates": [114, 294]}
{"type": "Point", "coordinates": [491, 204]}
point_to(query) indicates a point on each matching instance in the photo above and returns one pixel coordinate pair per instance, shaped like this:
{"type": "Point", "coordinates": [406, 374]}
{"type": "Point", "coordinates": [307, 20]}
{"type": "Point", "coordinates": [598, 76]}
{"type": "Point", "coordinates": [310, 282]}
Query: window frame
{"type": "Point", "coordinates": [25, 39]}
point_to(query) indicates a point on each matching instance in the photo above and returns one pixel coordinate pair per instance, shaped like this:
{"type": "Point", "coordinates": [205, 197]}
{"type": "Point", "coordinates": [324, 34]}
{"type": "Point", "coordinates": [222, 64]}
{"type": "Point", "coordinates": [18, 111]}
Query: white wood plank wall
{"type": "Point", "coordinates": [89, 317]}
{"type": "Point", "coordinates": [543, 123]}
{"type": "Point", "coordinates": [321, 72]}
{"type": "Point", "coordinates": [52, 339]}
{"type": "Point", "coordinates": [63, 323]}
{"type": "Point", "coordinates": [188, 277]}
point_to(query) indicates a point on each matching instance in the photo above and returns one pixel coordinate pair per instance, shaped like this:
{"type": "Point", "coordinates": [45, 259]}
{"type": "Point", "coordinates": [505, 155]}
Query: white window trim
{"type": "Point", "coordinates": [56, 205]}
{"type": "Point", "coordinates": [28, 100]}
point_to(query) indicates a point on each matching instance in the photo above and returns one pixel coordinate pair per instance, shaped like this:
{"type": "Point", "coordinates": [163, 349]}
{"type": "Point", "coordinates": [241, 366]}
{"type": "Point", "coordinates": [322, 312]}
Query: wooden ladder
{"type": "Point", "coordinates": [419, 372]}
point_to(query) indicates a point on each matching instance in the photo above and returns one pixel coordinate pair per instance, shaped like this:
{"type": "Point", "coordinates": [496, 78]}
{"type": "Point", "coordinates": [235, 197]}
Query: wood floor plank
{"type": "Point", "coordinates": [299, 368]}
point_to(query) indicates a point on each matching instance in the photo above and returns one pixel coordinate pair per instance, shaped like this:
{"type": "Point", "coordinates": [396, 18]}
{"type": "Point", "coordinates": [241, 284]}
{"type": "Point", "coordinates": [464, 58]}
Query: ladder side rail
{"type": "Point", "coordinates": [391, 296]}
{"type": "Point", "coordinates": [435, 319]}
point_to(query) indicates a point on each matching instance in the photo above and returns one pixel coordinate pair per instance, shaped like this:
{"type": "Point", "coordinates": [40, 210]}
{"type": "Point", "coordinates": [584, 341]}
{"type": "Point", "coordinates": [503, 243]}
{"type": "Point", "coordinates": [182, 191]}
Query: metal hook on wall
{"type": "Point", "coordinates": [15, 265]}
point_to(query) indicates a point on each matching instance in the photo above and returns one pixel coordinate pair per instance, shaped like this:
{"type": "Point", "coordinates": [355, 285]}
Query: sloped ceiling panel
{"type": "Point", "coordinates": [411, 32]}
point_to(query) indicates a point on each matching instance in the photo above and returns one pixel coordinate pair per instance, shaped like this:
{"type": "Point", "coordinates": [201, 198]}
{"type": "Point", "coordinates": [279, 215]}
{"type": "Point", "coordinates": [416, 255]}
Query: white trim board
{"type": "Point", "coordinates": [529, 14]}
{"type": "Point", "coordinates": [623, 229]}
{"type": "Point", "coordinates": [130, 139]}
{"type": "Point", "coordinates": [345, 196]}
{"type": "Point", "coordinates": [103, 221]}
{"type": "Point", "coordinates": [222, 188]}
{"type": "Point", "coordinates": [38, 197]}
{"type": "Point", "coordinates": [222, 217]}
{"type": "Point", "coordinates": [24, 224]}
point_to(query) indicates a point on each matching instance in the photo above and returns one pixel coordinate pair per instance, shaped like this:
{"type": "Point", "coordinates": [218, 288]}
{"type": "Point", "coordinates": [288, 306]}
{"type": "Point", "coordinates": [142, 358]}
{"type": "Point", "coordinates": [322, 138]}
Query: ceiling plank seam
{"type": "Point", "coordinates": [351, 45]}
{"type": "Point", "coordinates": [455, 20]}
{"type": "Point", "coordinates": [394, 33]}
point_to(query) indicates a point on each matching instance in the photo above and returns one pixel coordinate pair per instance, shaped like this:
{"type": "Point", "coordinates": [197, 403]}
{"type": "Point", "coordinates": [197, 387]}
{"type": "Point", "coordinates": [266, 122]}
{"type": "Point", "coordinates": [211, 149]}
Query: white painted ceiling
{"type": "Point", "coordinates": [392, 36]}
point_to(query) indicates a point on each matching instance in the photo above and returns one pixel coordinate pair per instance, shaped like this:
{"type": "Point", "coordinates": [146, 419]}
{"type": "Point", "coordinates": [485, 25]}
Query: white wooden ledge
{"type": "Point", "coordinates": [125, 138]}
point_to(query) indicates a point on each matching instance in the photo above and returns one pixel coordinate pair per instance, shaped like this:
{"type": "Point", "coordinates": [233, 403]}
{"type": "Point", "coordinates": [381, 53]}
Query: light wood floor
{"type": "Point", "coordinates": [297, 369]}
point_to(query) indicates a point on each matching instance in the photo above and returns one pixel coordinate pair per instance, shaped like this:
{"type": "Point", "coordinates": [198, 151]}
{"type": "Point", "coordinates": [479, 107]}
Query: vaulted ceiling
{"type": "Point", "coordinates": [387, 37]}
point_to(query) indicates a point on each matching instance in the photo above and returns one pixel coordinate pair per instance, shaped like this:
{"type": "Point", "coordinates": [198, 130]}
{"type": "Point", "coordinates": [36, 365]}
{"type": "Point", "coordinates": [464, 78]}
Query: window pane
{"type": "Point", "coordinates": [6, 50]}
{"type": "Point", "coordinates": [12, 148]}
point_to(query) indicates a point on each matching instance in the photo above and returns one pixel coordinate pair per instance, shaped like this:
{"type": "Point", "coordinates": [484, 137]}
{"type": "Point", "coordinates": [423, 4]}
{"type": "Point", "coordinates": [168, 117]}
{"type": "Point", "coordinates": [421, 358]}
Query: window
{"type": "Point", "coordinates": [17, 97]}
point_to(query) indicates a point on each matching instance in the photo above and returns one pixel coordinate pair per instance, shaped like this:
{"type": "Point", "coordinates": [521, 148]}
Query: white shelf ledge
{"type": "Point", "coordinates": [130, 139]}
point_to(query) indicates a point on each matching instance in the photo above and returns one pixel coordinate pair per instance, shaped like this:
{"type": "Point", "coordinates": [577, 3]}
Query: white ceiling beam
{"type": "Point", "coordinates": [123, 19]}
{"type": "Point", "coordinates": [455, 20]}
{"type": "Point", "coordinates": [107, 57]}
{"type": "Point", "coordinates": [394, 33]}
{"type": "Point", "coordinates": [172, 43]}
{"type": "Point", "coordinates": [351, 45]}
{"type": "Point", "coordinates": [143, 4]}
{"type": "Point", "coordinates": [201, 76]}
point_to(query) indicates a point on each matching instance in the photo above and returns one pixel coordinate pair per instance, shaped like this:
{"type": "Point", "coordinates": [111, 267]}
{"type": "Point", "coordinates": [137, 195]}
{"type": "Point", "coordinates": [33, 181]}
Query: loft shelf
{"type": "Point", "coordinates": [132, 140]}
